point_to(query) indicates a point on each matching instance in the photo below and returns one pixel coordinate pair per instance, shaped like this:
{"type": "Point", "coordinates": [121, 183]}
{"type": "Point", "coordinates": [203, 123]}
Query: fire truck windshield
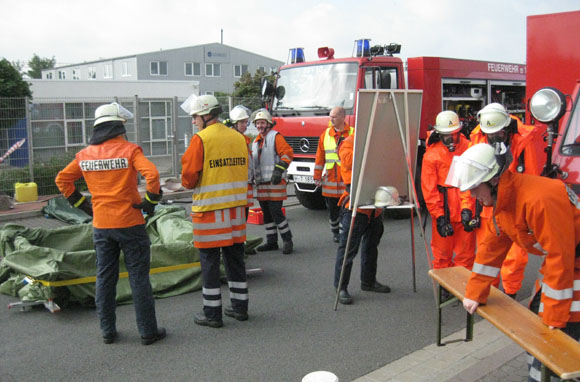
{"type": "Point", "coordinates": [316, 88]}
{"type": "Point", "coordinates": [571, 144]}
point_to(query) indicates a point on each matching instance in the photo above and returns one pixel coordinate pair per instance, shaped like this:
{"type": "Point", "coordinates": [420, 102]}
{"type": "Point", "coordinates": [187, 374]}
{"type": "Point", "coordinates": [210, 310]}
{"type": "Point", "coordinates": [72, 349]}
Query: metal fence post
{"type": "Point", "coordinates": [175, 138]}
{"type": "Point", "coordinates": [29, 138]}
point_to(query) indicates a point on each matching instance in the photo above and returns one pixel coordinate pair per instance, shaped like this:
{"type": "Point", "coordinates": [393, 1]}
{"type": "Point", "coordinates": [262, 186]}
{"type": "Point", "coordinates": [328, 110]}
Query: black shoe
{"type": "Point", "coordinates": [375, 287]}
{"type": "Point", "coordinates": [110, 338]}
{"type": "Point", "coordinates": [202, 320]}
{"type": "Point", "coordinates": [267, 247]}
{"type": "Point", "coordinates": [240, 316]}
{"type": "Point", "coordinates": [161, 333]}
{"type": "Point", "coordinates": [445, 296]}
{"type": "Point", "coordinates": [250, 251]}
{"type": "Point", "coordinates": [344, 298]}
{"type": "Point", "coordinates": [336, 238]}
{"type": "Point", "coordinates": [288, 247]}
{"type": "Point", "coordinates": [512, 295]}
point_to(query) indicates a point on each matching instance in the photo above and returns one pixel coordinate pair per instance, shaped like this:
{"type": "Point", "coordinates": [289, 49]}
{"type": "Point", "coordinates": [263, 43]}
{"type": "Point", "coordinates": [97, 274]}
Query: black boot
{"type": "Point", "coordinates": [268, 247]}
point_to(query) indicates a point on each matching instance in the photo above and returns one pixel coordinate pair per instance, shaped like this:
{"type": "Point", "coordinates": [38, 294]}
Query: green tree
{"type": "Point", "coordinates": [38, 64]}
{"type": "Point", "coordinates": [11, 82]}
{"type": "Point", "coordinates": [250, 89]}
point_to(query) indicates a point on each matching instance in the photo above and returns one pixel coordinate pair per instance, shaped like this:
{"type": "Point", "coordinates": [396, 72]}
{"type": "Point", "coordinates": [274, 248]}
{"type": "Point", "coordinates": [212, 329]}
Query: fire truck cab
{"type": "Point", "coordinates": [306, 92]}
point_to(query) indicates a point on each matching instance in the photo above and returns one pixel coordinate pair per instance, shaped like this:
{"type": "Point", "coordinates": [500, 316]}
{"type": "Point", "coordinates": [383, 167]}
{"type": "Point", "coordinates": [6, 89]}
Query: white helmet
{"type": "Point", "coordinates": [239, 113]}
{"type": "Point", "coordinates": [493, 118]}
{"type": "Point", "coordinates": [200, 105]}
{"type": "Point", "coordinates": [476, 165]}
{"type": "Point", "coordinates": [386, 196]}
{"type": "Point", "coordinates": [111, 112]}
{"type": "Point", "coordinates": [263, 114]}
{"type": "Point", "coordinates": [447, 122]}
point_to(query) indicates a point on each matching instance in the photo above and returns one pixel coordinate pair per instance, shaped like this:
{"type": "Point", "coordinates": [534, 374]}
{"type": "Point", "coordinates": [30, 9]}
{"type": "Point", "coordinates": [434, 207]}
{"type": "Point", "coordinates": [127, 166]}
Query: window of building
{"type": "Point", "coordinates": [209, 93]}
{"type": "Point", "coordinates": [61, 75]}
{"type": "Point", "coordinates": [158, 68]}
{"type": "Point", "coordinates": [92, 73]}
{"type": "Point", "coordinates": [125, 72]}
{"type": "Point", "coordinates": [108, 71]}
{"type": "Point", "coordinates": [76, 74]}
{"type": "Point", "coordinates": [49, 76]}
{"type": "Point", "coordinates": [239, 70]}
{"type": "Point", "coordinates": [212, 70]}
{"type": "Point", "coordinates": [262, 69]}
{"type": "Point", "coordinates": [193, 69]}
{"type": "Point", "coordinates": [272, 69]}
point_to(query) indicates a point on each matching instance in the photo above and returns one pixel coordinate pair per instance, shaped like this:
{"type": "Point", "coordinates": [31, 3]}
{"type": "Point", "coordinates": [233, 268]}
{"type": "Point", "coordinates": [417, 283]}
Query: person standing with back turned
{"type": "Point", "coordinates": [215, 166]}
{"type": "Point", "coordinates": [110, 165]}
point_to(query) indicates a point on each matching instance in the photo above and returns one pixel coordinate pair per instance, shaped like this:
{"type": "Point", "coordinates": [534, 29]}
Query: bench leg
{"type": "Point", "coordinates": [469, 327]}
{"type": "Point", "coordinates": [439, 291]}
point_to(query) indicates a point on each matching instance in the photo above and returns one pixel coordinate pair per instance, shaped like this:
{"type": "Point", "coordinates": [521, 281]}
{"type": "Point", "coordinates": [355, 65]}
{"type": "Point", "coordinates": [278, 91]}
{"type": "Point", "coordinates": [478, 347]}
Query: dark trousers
{"type": "Point", "coordinates": [368, 232]}
{"type": "Point", "coordinates": [135, 244]}
{"type": "Point", "coordinates": [235, 266]}
{"type": "Point", "coordinates": [333, 214]}
{"type": "Point", "coordinates": [274, 221]}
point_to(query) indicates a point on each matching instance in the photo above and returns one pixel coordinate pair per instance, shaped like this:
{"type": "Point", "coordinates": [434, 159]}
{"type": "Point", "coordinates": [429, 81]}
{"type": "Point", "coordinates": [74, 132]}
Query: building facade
{"type": "Point", "coordinates": [215, 66]}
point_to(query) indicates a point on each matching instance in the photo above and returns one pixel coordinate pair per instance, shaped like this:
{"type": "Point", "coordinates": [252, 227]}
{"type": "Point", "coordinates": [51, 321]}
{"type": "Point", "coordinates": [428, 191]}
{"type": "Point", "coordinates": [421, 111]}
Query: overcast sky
{"type": "Point", "coordinates": [75, 31]}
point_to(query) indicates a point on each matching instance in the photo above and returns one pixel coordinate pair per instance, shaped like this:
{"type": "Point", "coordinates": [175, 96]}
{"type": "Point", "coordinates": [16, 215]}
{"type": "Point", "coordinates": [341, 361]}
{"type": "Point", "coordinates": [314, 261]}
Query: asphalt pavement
{"type": "Point", "coordinates": [293, 329]}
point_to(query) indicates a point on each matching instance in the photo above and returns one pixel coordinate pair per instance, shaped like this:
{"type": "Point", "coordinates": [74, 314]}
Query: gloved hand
{"type": "Point", "coordinates": [466, 218]}
{"type": "Point", "coordinates": [277, 174]}
{"type": "Point", "coordinates": [443, 228]}
{"type": "Point", "coordinates": [76, 199]}
{"type": "Point", "coordinates": [149, 202]}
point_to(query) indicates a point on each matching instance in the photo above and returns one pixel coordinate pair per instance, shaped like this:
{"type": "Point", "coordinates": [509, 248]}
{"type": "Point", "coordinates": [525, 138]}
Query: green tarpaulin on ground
{"type": "Point", "coordinates": [35, 261]}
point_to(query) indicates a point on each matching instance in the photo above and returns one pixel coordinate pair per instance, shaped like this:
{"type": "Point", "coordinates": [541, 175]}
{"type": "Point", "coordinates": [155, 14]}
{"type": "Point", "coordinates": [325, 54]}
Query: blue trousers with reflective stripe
{"type": "Point", "coordinates": [135, 244]}
{"type": "Point", "coordinates": [235, 270]}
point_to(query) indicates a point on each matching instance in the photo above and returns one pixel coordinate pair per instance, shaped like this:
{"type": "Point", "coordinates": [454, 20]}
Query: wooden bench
{"type": "Point", "coordinates": [558, 352]}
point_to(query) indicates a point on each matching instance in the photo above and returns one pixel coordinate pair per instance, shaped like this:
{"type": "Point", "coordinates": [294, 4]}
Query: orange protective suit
{"type": "Point", "coordinates": [538, 214]}
{"type": "Point", "coordinates": [118, 160]}
{"type": "Point", "coordinates": [434, 171]}
{"type": "Point", "coordinates": [512, 270]}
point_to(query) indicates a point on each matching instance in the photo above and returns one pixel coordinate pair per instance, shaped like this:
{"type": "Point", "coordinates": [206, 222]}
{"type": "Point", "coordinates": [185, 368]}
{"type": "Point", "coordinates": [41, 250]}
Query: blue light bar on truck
{"type": "Point", "coordinates": [296, 55]}
{"type": "Point", "coordinates": [363, 47]}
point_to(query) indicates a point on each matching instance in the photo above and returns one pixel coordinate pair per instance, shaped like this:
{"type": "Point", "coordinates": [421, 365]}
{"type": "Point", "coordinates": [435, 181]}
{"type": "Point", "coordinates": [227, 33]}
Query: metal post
{"type": "Point", "coordinates": [175, 138]}
{"type": "Point", "coordinates": [29, 138]}
{"type": "Point", "coordinates": [413, 250]}
{"type": "Point", "coordinates": [439, 292]}
{"type": "Point", "coordinates": [469, 327]}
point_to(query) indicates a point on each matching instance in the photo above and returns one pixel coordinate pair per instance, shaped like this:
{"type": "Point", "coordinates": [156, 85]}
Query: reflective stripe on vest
{"type": "Point", "coordinates": [330, 153]}
{"type": "Point", "coordinates": [265, 159]}
{"type": "Point", "coordinates": [219, 228]}
{"type": "Point", "coordinates": [224, 179]}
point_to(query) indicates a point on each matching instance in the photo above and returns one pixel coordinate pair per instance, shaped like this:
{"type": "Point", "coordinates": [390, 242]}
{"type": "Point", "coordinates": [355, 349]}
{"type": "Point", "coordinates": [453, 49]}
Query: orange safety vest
{"type": "Point", "coordinates": [327, 157]}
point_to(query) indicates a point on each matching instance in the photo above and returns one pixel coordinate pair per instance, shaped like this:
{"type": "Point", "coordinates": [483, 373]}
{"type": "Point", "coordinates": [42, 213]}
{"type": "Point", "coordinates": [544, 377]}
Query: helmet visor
{"type": "Point", "coordinates": [124, 113]}
{"type": "Point", "coordinates": [466, 174]}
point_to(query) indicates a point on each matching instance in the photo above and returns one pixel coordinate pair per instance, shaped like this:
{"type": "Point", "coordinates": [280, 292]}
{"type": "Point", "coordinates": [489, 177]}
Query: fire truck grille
{"type": "Point", "coordinates": [303, 145]}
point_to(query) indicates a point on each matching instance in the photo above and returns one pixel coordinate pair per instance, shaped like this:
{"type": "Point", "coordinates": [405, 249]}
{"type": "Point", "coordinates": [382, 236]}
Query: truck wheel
{"type": "Point", "coordinates": [310, 200]}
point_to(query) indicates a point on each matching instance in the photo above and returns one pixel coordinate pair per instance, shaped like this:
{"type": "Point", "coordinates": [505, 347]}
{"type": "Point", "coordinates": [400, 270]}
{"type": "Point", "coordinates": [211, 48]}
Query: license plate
{"type": "Point", "coordinates": [304, 179]}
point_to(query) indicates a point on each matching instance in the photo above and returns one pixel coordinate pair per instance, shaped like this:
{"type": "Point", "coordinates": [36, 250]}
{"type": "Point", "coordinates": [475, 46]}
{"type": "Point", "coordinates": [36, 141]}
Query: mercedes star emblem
{"type": "Point", "coordinates": [304, 145]}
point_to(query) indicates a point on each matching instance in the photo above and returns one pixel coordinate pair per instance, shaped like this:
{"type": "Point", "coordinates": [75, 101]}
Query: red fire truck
{"type": "Point", "coordinates": [305, 92]}
{"type": "Point", "coordinates": [553, 86]}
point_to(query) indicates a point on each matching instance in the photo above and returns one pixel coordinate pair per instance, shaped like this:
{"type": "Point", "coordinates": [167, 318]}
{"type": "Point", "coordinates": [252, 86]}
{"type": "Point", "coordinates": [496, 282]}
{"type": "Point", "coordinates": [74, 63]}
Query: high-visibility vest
{"type": "Point", "coordinates": [224, 179]}
{"type": "Point", "coordinates": [330, 152]}
{"type": "Point", "coordinates": [265, 158]}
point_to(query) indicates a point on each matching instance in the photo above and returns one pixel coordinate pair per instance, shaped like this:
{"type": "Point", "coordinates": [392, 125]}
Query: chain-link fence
{"type": "Point", "coordinates": [39, 137]}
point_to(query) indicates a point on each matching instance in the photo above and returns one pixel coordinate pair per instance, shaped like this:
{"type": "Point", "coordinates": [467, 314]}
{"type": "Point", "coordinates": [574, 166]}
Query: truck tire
{"type": "Point", "coordinates": [311, 200]}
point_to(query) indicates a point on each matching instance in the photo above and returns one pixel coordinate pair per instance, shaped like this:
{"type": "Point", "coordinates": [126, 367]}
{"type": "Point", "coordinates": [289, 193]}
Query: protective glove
{"type": "Point", "coordinates": [76, 199]}
{"type": "Point", "coordinates": [466, 218]}
{"type": "Point", "coordinates": [277, 173]}
{"type": "Point", "coordinates": [149, 202]}
{"type": "Point", "coordinates": [443, 228]}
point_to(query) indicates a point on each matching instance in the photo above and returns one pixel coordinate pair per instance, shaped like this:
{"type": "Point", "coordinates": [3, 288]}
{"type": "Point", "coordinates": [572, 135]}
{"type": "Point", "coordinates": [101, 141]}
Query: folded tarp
{"type": "Point", "coordinates": [42, 264]}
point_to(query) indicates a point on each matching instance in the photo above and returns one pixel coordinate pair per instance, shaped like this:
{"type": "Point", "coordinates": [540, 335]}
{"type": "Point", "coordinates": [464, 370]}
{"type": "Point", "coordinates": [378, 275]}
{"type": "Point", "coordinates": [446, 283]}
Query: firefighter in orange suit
{"type": "Point", "coordinates": [541, 215]}
{"type": "Point", "coordinates": [451, 211]}
{"type": "Point", "coordinates": [368, 230]}
{"type": "Point", "coordinates": [215, 166]}
{"type": "Point", "coordinates": [327, 160]}
{"type": "Point", "coordinates": [497, 127]}
{"type": "Point", "coordinates": [272, 156]}
{"type": "Point", "coordinates": [110, 165]}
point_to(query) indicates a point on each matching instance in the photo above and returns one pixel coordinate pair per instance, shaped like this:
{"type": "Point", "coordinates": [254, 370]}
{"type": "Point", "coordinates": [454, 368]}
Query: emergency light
{"type": "Point", "coordinates": [363, 47]}
{"type": "Point", "coordinates": [296, 55]}
{"type": "Point", "coordinates": [326, 52]}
